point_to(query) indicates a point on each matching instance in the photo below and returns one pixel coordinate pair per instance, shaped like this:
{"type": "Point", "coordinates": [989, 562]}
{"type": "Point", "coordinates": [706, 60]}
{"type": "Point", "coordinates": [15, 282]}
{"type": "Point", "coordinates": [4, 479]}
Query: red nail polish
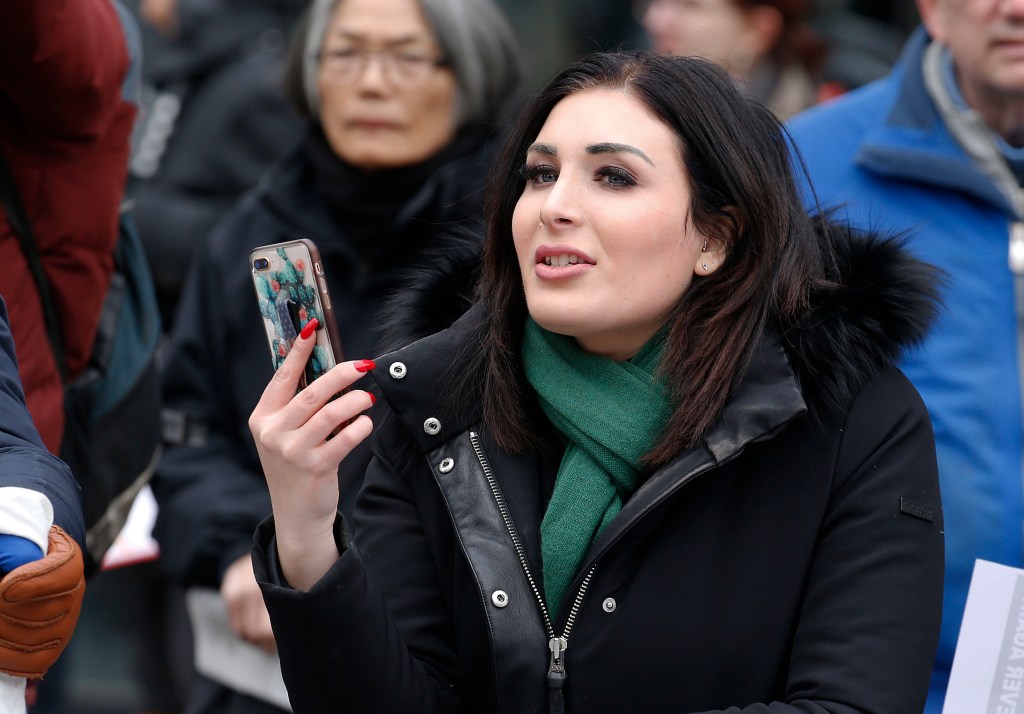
{"type": "Point", "coordinates": [365, 365]}
{"type": "Point", "coordinates": [373, 399]}
{"type": "Point", "coordinates": [309, 329]}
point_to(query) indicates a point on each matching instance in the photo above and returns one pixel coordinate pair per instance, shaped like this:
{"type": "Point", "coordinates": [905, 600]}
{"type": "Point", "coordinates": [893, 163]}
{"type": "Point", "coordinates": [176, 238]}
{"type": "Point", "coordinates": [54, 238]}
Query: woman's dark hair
{"type": "Point", "coordinates": [743, 194]}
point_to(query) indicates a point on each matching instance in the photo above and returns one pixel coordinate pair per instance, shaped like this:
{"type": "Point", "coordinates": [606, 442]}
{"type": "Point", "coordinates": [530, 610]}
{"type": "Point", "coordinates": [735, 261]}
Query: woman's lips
{"type": "Point", "coordinates": [554, 262]}
{"type": "Point", "coordinates": [371, 124]}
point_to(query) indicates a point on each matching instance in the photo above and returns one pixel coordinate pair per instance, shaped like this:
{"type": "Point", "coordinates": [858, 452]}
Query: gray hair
{"type": "Point", "coordinates": [474, 35]}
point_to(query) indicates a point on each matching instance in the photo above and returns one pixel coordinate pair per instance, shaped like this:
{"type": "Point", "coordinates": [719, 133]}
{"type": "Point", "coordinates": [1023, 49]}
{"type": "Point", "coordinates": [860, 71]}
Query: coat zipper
{"type": "Point", "coordinates": [557, 645]}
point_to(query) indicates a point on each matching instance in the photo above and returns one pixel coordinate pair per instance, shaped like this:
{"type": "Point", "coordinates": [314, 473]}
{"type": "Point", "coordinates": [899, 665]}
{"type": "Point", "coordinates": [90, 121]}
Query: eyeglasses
{"type": "Point", "coordinates": [403, 67]}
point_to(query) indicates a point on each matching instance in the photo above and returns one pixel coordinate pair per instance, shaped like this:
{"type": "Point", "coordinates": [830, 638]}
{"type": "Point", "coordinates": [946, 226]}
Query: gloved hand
{"type": "Point", "coordinates": [39, 607]}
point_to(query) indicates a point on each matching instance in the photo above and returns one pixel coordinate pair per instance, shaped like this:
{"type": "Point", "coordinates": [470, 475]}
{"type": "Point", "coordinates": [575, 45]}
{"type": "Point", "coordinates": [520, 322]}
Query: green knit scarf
{"type": "Point", "coordinates": [610, 414]}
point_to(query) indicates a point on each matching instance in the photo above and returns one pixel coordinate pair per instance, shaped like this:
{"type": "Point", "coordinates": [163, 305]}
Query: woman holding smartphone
{"type": "Point", "coordinates": [665, 464]}
{"type": "Point", "coordinates": [404, 100]}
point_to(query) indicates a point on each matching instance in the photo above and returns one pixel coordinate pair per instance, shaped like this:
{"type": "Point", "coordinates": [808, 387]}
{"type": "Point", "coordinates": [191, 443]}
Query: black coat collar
{"type": "Point", "coordinates": [415, 377]}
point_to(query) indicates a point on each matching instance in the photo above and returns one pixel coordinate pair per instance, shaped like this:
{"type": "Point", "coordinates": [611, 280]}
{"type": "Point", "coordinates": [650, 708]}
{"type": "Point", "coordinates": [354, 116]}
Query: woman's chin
{"type": "Point", "coordinates": [556, 321]}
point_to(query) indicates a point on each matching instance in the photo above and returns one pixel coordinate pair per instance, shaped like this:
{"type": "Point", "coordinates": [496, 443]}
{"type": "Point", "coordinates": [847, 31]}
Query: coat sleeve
{"type": "Point", "coordinates": [24, 461]}
{"type": "Point", "coordinates": [869, 621]}
{"type": "Point", "coordinates": [209, 485]}
{"type": "Point", "coordinates": [340, 641]}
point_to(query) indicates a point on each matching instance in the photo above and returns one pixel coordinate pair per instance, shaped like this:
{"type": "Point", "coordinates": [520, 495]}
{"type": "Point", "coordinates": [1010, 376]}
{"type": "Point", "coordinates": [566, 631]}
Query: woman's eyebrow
{"type": "Point", "coordinates": [605, 147]}
{"type": "Point", "coordinates": [542, 149]}
{"type": "Point", "coordinates": [395, 41]}
{"type": "Point", "coordinates": [608, 147]}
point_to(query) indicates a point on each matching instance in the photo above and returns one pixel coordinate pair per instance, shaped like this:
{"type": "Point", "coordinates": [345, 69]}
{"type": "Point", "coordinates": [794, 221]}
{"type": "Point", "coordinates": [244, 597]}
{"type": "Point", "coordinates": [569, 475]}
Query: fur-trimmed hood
{"type": "Point", "coordinates": [438, 290]}
{"type": "Point", "coordinates": [880, 302]}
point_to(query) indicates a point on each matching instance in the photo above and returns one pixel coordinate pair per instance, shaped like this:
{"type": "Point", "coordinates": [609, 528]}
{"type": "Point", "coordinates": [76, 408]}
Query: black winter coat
{"type": "Point", "coordinates": [792, 563]}
{"type": "Point", "coordinates": [209, 484]}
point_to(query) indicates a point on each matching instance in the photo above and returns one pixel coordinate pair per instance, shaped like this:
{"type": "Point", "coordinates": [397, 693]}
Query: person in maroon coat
{"type": "Point", "coordinates": [64, 135]}
{"type": "Point", "coordinates": [64, 131]}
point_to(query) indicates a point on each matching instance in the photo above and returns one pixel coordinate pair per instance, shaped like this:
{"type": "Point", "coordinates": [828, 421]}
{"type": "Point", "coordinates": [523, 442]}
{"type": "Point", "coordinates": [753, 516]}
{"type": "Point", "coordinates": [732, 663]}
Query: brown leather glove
{"type": "Point", "coordinates": [39, 607]}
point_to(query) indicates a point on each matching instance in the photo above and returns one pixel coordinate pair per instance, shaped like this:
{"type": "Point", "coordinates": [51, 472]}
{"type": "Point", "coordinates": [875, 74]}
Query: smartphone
{"type": "Point", "coordinates": [291, 289]}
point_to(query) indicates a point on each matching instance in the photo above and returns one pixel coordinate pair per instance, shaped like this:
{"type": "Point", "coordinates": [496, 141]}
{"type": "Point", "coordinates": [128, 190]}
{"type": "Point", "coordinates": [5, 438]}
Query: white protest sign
{"type": "Point", "coordinates": [221, 656]}
{"type": "Point", "coordinates": [988, 666]}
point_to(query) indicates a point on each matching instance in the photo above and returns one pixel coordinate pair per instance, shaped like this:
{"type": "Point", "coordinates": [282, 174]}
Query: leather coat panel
{"type": "Point", "coordinates": [517, 632]}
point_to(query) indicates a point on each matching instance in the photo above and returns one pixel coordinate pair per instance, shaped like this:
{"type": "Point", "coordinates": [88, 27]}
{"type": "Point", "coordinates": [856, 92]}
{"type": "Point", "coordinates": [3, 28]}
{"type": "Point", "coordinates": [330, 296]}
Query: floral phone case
{"type": "Point", "coordinates": [291, 290]}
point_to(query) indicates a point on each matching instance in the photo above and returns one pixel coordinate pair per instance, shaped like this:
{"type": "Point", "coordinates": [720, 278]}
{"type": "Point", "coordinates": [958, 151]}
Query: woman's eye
{"type": "Point", "coordinates": [539, 174]}
{"type": "Point", "coordinates": [340, 55]}
{"type": "Point", "coordinates": [614, 176]}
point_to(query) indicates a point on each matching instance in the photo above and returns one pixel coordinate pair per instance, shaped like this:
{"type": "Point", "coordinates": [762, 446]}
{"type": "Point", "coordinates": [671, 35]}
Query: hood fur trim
{"type": "Point", "coordinates": [882, 303]}
{"type": "Point", "coordinates": [437, 289]}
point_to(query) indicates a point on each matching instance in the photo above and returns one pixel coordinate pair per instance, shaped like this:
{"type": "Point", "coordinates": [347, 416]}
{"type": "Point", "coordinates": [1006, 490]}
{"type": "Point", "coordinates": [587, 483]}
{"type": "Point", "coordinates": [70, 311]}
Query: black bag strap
{"type": "Point", "coordinates": [19, 222]}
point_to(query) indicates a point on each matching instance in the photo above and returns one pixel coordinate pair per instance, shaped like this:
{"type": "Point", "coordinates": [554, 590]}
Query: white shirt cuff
{"type": "Point", "coordinates": [26, 513]}
{"type": "Point", "coordinates": [12, 694]}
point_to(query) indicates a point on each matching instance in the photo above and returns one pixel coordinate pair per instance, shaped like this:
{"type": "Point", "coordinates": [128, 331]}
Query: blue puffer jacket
{"type": "Point", "coordinates": [883, 158]}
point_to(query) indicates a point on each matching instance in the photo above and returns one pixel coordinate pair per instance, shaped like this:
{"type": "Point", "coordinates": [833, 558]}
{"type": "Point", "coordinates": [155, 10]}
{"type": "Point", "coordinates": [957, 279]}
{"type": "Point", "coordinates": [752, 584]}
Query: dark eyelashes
{"type": "Point", "coordinates": [528, 172]}
{"type": "Point", "coordinates": [615, 172]}
{"type": "Point", "coordinates": [619, 176]}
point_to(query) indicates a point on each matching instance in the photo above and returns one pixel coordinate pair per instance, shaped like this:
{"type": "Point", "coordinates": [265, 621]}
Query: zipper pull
{"type": "Point", "coordinates": [1017, 247]}
{"type": "Point", "coordinates": [556, 670]}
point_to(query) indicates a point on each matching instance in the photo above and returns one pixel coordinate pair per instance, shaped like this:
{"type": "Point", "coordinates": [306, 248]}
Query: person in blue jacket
{"type": "Point", "coordinates": [936, 149]}
{"type": "Point", "coordinates": [42, 533]}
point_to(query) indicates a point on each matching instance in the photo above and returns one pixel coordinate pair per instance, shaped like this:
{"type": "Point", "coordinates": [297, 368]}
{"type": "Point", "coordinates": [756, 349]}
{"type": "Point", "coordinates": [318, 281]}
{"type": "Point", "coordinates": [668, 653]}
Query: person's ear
{"type": "Point", "coordinates": [711, 257]}
{"type": "Point", "coordinates": [933, 18]}
{"type": "Point", "coordinates": [715, 248]}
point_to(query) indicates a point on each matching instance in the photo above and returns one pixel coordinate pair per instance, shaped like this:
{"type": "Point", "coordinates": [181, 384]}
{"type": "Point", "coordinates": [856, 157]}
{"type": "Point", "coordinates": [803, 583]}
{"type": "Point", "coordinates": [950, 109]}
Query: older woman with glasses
{"type": "Point", "coordinates": [403, 99]}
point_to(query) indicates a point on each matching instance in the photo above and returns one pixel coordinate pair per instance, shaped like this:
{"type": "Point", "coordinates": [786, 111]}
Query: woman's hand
{"type": "Point", "coordinates": [247, 612]}
{"type": "Point", "coordinates": [300, 457]}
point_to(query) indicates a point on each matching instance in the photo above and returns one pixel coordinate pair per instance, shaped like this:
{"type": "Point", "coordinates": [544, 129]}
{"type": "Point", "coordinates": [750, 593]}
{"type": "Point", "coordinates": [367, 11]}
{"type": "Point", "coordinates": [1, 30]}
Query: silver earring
{"type": "Point", "coordinates": [705, 250]}
{"type": "Point", "coordinates": [705, 266]}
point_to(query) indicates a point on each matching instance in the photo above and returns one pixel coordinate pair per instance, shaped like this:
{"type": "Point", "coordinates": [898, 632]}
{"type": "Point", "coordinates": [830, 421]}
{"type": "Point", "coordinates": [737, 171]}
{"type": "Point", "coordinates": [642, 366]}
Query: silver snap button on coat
{"type": "Point", "coordinates": [446, 465]}
{"type": "Point", "coordinates": [398, 370]}
{"type": "Point", "coordinates": [432, 426]}
{"type": "Point", "coordinates": [499, 598]}
{"type": "Point", "coordinates": [609, 604]}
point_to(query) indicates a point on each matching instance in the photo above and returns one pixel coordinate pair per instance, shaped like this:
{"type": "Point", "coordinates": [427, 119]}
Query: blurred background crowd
{"type": "Point", "coordinates": [215, 118]}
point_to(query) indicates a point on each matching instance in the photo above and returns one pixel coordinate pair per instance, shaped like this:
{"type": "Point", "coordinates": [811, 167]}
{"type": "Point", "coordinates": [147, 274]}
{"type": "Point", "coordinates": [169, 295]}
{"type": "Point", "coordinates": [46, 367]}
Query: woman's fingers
{"type": "Point", "coordinates": [338, 412]}
{"type": "Point", "coordinates": [293, 410]}
{"type": "Point", "coordinates": [291, 434]}
{"type": "Point", "coordinates": [310, 402]}
{"type": "Point", "coordinates": [341, 444]}
{"type": "Point", "coordinates": [282, 387]}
